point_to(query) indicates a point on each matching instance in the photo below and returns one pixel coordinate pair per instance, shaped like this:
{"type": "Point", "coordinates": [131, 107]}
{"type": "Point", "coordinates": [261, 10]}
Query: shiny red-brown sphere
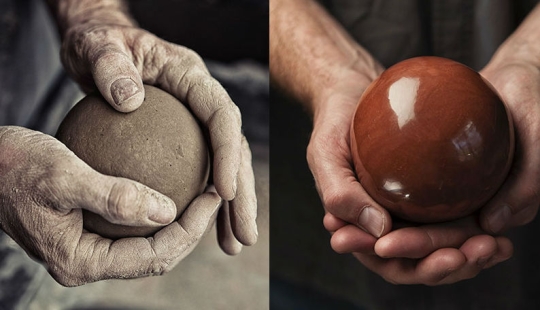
{"type": "Point", "coordinates": [431, 140]}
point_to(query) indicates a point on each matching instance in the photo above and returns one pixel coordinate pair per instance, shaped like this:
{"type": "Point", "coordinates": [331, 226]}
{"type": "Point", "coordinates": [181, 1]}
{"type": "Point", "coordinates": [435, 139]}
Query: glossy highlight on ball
{"type": "Point", "coordinates": [431, 140]}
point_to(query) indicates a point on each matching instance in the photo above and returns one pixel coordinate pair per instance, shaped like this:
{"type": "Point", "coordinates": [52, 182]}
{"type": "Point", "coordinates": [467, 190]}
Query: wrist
{"type": "Point", "coordinates": [523, 46]}
{"type": "Point", "coordinates": [516, 52]}
{"type": "Point", "coordinates": [343, 90]}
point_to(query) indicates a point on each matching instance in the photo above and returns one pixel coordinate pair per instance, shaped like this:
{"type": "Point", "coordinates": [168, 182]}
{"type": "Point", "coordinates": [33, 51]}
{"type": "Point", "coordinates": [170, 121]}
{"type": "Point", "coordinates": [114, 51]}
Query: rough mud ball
{"type": "Point", "coordinates": [160, 145]}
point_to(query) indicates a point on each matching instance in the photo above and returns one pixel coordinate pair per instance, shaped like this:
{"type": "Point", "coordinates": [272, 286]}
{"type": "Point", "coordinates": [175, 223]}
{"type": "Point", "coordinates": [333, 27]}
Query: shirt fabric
{"type": "Point", "coordinates": [463, 30]}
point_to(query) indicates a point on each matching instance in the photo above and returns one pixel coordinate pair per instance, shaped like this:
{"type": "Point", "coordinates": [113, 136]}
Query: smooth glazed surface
{"type": "Point", "coordinates": [431, 140]}
{"type": "Point", "coordinates": [160, 145]}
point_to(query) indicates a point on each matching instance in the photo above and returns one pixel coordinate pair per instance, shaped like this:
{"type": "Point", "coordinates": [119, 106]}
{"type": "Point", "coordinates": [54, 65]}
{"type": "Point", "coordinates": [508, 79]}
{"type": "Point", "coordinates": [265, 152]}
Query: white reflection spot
{"type": "Point", "coordinates": [402, 97]}
{"type": "Point", "coordinates": [468, 142]}
{"type": "Point", "coordinates": [392, 186]}
{"type": "Point", "coordinates": [396, 188]}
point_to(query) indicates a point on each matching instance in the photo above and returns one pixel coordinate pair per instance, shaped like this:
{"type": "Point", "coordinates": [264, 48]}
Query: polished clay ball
{"type": "Point", "coordinates": [431, 140]}
{"type": "Point", "coordinates": [159, 145]}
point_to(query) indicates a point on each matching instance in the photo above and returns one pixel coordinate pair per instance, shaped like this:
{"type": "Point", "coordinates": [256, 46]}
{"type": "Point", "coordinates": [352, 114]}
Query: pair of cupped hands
{"type": "Point", "coordinates": [44, 185]}
{"type": "Point", "coordinates": [426, 254]}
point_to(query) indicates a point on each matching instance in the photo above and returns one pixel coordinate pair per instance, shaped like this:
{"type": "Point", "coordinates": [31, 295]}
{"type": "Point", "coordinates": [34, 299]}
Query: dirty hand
{"type": "Point", "coordinates": [44, 187]}
{"type": "Point", "coordinates": [102, 48]}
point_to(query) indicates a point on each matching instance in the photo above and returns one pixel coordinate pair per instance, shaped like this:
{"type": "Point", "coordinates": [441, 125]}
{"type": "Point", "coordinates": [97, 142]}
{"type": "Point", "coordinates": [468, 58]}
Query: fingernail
{"type": "Point", "coordinates": [161, 210]}
{"type": "Point", "coordinates": [371, 220]}
{"type": "Point", "coordinates": [123, 89]}
{"type": "Point", "coordinates": [498, 219]}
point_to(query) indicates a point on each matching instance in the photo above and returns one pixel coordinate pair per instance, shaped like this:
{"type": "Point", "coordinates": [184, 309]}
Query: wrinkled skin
{"type": "Point", "coordinates": [43, 190]}
{"type": "Point", "coordinates": [44, 185]}
{"type": "Point", "coordinates": [119, 59]}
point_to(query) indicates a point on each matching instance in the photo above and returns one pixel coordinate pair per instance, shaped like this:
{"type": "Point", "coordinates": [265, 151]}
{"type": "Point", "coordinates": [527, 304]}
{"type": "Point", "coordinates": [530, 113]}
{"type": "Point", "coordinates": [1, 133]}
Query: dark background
{"type": "Point", "coordinates": [223, 30]}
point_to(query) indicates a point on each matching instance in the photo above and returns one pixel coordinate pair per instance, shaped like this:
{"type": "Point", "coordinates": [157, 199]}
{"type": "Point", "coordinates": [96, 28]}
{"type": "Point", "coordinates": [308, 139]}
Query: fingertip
{"type": "Point", "coordinates": [480, 246]}
{"type": "Point", "coordinates": [231, 249]}
{"type": "Point", "coordinates": [338, 243]}
{"type": "Point", "coordinates": [244, 229]}
{"type": "Point", "coordinates": [332, 223]}
{"type": "Point", "coordinates": [249, 238]}
{"type": "Point", "coordinates": [352, 239]}
{"type": "Point", "coordinates": [505, 251]}
{"type": "Point", "coordinates": [383, 247]}
{"type": "Point", "coordinates": [229, 166]}
{"type": "Point", "coordinates": [226, 238]}
{"type": "Point", "coordinates": [126, 202]}
{"type": "Point", "coordinates": [505, 246]}
{"type": "Point", "coordinates": [212, 193]}
{"type": "Point", "coordinates": [161, 209]}
{"type": "Point", "coordinates": [408, 242]}
{"type": "Point", "coordinates": [201, 212]}
{"type": "Point", "coordinates": [215, 199]}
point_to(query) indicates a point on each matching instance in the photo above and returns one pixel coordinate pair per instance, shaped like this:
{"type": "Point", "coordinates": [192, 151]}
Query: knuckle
{"type": "Point", "coordinates": [82, 40]}
{"type": "Point", "coordinates": [322, 147]}
{"type": "Point", "coordinates": [332, 199]}
{"type": "Point", "coordinates": [312, 153]}
{"type": "Point", "coordinates": [65, 275]}
{"type": "Point", "coordinates": [152, 53]}
{"type": "Point", "coordinates": [160, 267]}
{"type": "Point", "coordinates": [54, 182]}
{"type": "Point", "coordinates": [246, 151]}
{"type": "Point", "coordinates": [235, 114]}
{"type": "Point", "coordinates": [120, 199]}
{"type": "Point", "coordinates": [192, 57]}
{"type": "Point", "coordinates": [161, 262]}
{"type": "Point", "coordinates": [84, 45]}
{"type": "Point", "coordinates": [223, 116]}
{"type": "Point", "coordinates": [314, 143]}
{"type": "Point", "coordinates": [310, 157]}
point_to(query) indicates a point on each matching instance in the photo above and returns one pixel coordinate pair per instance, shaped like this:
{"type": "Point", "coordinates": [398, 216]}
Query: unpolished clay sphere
{"type": "Point", "coordinates": [159, 145]}
{"type": "Point", "coordinates": [431, 140]}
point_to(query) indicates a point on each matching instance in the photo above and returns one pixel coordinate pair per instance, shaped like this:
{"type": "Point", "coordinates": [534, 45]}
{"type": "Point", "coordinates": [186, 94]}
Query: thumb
{"type": "Point", "coordinates": [118, 80]}
{"type": "Point", "coordinates": [341, 193]}
{"type": "Point", "coordinates": [123, 201]}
